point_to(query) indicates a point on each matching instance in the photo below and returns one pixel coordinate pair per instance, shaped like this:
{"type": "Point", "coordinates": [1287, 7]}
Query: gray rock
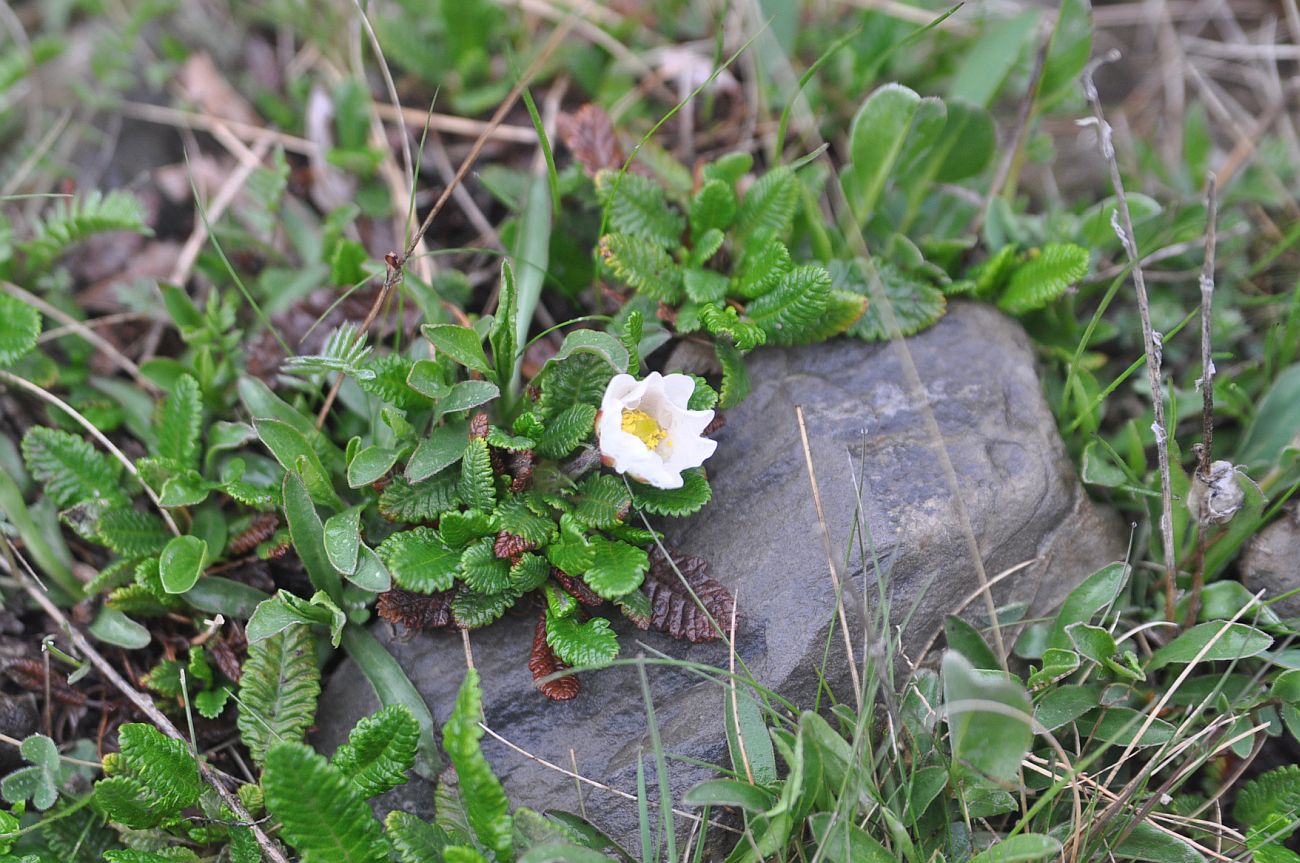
{"type": "Point", "coordinates": [1018, 494]}
{"type": "Point", "coordinates": [1272, 562]}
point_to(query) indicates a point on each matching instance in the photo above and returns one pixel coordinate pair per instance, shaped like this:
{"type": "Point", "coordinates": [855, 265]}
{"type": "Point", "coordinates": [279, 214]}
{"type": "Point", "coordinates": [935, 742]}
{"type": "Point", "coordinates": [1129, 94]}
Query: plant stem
{"type": "Point", "coordinates": [1204, 450]}
{"type": "Point", "coordinates": [1150, 340]}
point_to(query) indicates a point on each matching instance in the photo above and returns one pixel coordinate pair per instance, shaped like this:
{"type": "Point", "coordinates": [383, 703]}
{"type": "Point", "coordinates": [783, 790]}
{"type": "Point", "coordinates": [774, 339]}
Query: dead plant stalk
{"type": "Point", "coordinates": [1122, 222]}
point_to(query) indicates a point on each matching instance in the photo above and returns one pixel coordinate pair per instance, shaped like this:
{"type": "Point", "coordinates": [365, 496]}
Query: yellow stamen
{"type": "Point", "coordinates": [643, 427]}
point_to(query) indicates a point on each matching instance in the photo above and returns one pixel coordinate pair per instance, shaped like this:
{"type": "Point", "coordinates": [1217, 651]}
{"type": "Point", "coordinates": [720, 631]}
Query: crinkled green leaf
{"type": "Point", "coordinates": [179, 425]}
{"type": "Point", "coordinates": [278, 688]}
{"type": "Point", "coordinates": [380, 749]}
{"type": "Point", "coordinates": [581, 644]}
{"type": "Point", "coordinates": [20, 326]}
{"type": "Point", "coordinates": [420, 560]}
{"type": "Point", "coordinates": [477, 482]}
{"type": "Point", "coordinates": [324, 817]}
{"type": "Point", "coordinates": [675, 502]}
{"type": "Point", "coordinates": [616, 568]}
{"type": "Point", "coordinates": [71, 468]}
{"type": "Point", "coordinates": [484, 800]}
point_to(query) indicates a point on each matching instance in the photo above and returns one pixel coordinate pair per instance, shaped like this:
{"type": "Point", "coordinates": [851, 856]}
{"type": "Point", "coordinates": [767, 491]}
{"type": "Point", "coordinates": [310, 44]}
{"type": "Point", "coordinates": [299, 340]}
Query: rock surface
{"type": "Point", "coordinates": [1272, 562]}
{"type": "Point", "coordinates": [1018, 494]}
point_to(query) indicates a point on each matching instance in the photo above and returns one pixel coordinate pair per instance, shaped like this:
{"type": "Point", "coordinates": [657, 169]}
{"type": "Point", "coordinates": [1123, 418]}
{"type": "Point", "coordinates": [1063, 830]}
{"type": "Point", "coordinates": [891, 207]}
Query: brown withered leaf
{"type": "Point", "coordinates": [30, 675]}
{"type": "Point", "coordinates": [478, 425]}
{"type": "Point", "coordinates": [577, 588]}
{"type": "Point", "coordinates": [223, 656]}
{"type": "Point", "coordinates": [520, 468]}
{"type": "Point", "coordinates": [674, 611]}
{"type": "Point", "coordinates": [258, 531]}
{"type": "Point", "coordinates": [543, 662]}
{"type": "Point", "coordinates": [589, 135]}
{"type": "Point", "coordinates": [509, 546]}
{"type": "Point", "coordinates": [415, 611]}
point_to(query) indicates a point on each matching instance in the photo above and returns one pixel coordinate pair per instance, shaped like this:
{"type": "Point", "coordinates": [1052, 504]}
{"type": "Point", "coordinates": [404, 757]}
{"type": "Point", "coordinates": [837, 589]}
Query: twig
{"type": "Point", "coordinates": [50, 398]}
{"type": "Point", "coordinates": [1150, 339]}
{"type": "Point", "coordinates": [142, 703]}
{"type": "Point", "coordinates": [1204, 448]}
{"type": "Point", "coordinates": [830, 561]}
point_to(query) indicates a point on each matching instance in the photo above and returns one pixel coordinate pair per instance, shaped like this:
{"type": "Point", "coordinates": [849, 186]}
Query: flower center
{"type": "Point", "coordinates": [643, 427]}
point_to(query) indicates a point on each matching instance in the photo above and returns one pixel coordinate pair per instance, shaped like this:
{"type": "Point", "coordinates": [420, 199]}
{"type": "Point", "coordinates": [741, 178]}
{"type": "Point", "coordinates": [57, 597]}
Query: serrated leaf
{"type": "Point", "coordinates": [420, 561]}
{"type": "Point", "coordinates": [769, 206]}
{"type": "Point", "coordinates": [794, 307]}
{"type": "Point", "coordinates": [763, 265]}
{"type": "Point", "coordinates": [477, 483]}
{"type": "Point", "coordinates": [20, 326]}
{"type": "Point", "coordinates": [1044, 277]}
{"type": "Point", "coordinates": [278, 687]}
{"type": "Point", "coordinates": [516, 518]}
{"type": "Point", "coordinates": [602, 501]}
{"type": "Point", "coordinates": [70, 220]}
{"type": "Point", "coordinates": [459, 528]}
{"type": "Point", "coordinates": [379, 751]}
{"type": "Point", "coordinates": [735, 377]}
{"type": "Point", "coordinates": [636, 207]}
{"type": "Point", "coordinates": [745, 335]}
{"type": "Point", "coordinates": [180, 422]}
{"type": "Point", "coordinates": [914, 304]}
{"type": "Point", "coordinates": [486, 807]}
{"type": "Point", "coordinates": [567, 430]}
{"type": "Point", "coordinates": [422, 501]}
{"type": "Point", "coordinates": [643, 265]}
{"type": "Point", "coordinates": [474, 610]}
{"type": "Point", "coordinates": [713, 207]}
{"type": "Point", "coordinates": [71, 468]}
{"type": "Point", "coordinates": [323, 815]}
{"type": "Point", "coordinates": [616, 568]}
{"type": "Point", "coordinates": [345, 351]}
{"type": "Point", "coordinates": [581, 379]}
{"type": "Point", "coordinates": [211, 703]}
{"type": "Point", "coordinates": [675, 502]}
{"type": "Point", "coordinates": [132, 533]}
{"type": "Point", "coordinates": [414, 840]}
{"type": "Point", "coordinates": [482, 570]}
{"type": "Point", "coordinates": [581, 644]}
{"type": "Point", "coordinates": [160, 769]}
{"type": "Point", "coordinates": [573, 552]}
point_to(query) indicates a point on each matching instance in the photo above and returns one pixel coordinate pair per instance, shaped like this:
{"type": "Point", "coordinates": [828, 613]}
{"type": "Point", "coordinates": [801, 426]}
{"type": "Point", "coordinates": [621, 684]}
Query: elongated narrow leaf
{"type": "Point", "coordinates": [324, 816]}
{"type": "Point", "coordinates": [278, 688]}
{"type": "Point", "coordinates": [484, 800]}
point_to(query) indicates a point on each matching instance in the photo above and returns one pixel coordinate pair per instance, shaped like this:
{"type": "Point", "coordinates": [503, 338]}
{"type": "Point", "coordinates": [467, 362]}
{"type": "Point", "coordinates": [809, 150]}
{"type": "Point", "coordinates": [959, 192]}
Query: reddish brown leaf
{"type": "Point", "coordinates": [543, 662]}
{"type": "Point", "coordinates": [520, 469]}
{"type": "Point", "coordinates": [478, 425]}
{"type": "Point", "coordinates": [30, 675]}
{"type": "Point", "coordinates": [674, 611]}
{"type": "Point", "coordinates": [589, 135]}
{"type": "Point", "coordinates": [509, 546]}
{"type": "Point", "coordinates": [415, 611]}
{"type": "Point", "coordinates": [718, 424]}
{"type": "Point", "coordinates": [258, 531]}
{"type": "Point", "coordinates": [577, 588]}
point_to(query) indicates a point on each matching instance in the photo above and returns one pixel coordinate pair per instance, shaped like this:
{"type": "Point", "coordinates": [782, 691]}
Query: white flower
{"type": "Point", "coordinates": [646, 431]}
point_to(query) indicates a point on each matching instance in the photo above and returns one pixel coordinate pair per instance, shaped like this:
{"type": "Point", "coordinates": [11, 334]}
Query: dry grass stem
{"type": "Point", "coordinates": [1204, 450]}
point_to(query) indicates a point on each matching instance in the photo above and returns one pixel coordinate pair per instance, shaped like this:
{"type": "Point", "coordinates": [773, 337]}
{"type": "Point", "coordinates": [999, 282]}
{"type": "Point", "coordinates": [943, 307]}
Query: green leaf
{"type": "Point", "coordinates": [603, 501]}
{"type": "Point", "coordinates": [20, 326]}
{"type": "Point", "coordinates": [278, 688]}
{"type": "Point", "coordinates": [308, 535]}
{"type": "Point", "coordinates": [769, 206]}
{"type": "Point", "coordinates": [440, 450]}
{"type": "Point", "coordinates": [726, 321]}
{"type": "Point", "coordinates": [1067, 51]}
{"type": "Point", "coordinates": [915, 304]}
{"type": "Point", "coordinates": [113, 627]}
{"type": "Point", "coordinates": [1156, 846]}
{"type": "Point", "coordinates": [515, 517]}
{"type": "Point", "coordinates": [179, 425]}
{"type": "Point", "coordinates": [794, 307]}
{"type": "Point", "coordinates": [573, 553]}
{"type": "Point", "coordinates": [969, 141]}
{"type": "Point", "coordinates": [566, 431]}
{"type": "Point", "coordinates": [761, 268]}
{"type": "Point", "coordinates": [477, 482]}
{"type": "Point", "coordinates": [1094, 594]}
{"type": "Point", "coordinates": [39, 782]}
{"type": "Point", "coordinates": [1224, 641]}
{"type": "Point", "coordinates": [474, 610]}
{"type": "Point", "coordinates": [1057, 664]}
{"type": "Point", "coordinates": [1044, 277]}
{"type": "Point", "coordinates": [581, 379]}
{"type": "Point", "coordinates": [643, 265]}
{"type": "Point", "coordinates": [211, 702]}
{"type": "Point", "coordinates": [294, 453]}
{"type": "Point", "coordinates": [876, 138]}
{"type": "Point", "coordinates": [72, 470]}
{"type": "Point", "coordinates": [1119, 726]}
{"type": "Point", "coordinates": [70, 220]}
{"type": "Point", "coordinates": [483, 571]}
{"type": "Point", "coordinates": [729, 792]}
{"type": "Point", "coordinates": [421, 501]}
{"type": "Point", "coordinates": [459, 529]}
{"type": "Point", "coordinates": [1066, 703]}
{"type": "Point", "coordinates": [369, 465]}
{"type": "Point", "coordinates": [674, 502]}
{"type": "Point", "coordinates": [990, 743]}
{"type": "Point", "coordinates": [345, 351]}
{"type": "Point", "coordinates": [285, 610]}
{"type": "Point", "coordinates": [484, 800]}
{"type": "Point", "coordinates": [735, 377]}
{"type": "Point", "coordinates": [713, 207]}
{"type": "Point", "coordinates": [598, 344]}
{"type": "Point", "coordinates": [1275, 792]}
{"type": "Point", "coordinates": [502, 337]}
{"type": "Point", "coordinates": [324, 817]}
{"type": "Point", "coordinates": [343, 539]}
{"type": "Point", "coordinates": [413, 840]}
{"type": "Point", "coordinates": [840, 839]}
{"type": "Point", "coordinates": [132, 533]}
{"type": "Point", "coordinates": [983, 68]}
{"type": "Point", "coordinates": [1275, 426]}
{"type": "Point", "coordinates": [636, 207]}
{"type": "Point", "coordinates": [616, 568]}
{"type": "Point", "coordinates": [419, 560]}
{"type": "Point", "coordinates": [462, 344]}
{"type": "Point", "coordinates": [467, 394]}
{"type": "Point", "coordinates": [153, 775]}
{"type": "Point", "coordinates": [182, 562]}
{"type": "Point", "coordinates": [581, 644]}
{"type": "Point", "coordinates": [379, 751]}
{"type": "Point", "coordinates": [966, 640]}
{"type": "Point", "coordinates": [1017, 849]}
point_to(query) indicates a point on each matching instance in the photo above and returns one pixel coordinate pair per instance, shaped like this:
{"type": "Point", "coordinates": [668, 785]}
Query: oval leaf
{"type": "Point", "coordinates": [182, 562]}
